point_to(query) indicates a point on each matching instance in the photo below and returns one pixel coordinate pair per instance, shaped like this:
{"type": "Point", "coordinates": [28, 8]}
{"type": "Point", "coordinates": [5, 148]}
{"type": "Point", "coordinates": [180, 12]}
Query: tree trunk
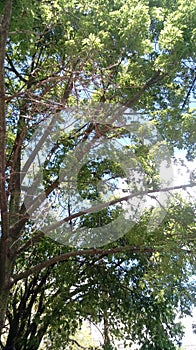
{"type": "Point", "coordinates": [5, 266]}
{"type": "Point", "coordinates": [4, 294]}
{"type": "Point", "coordinates": [5, 279]}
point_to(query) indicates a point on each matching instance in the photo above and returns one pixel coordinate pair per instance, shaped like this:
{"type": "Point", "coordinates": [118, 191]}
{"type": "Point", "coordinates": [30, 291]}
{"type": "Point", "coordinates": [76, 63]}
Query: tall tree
{"type": "Point", "coordinates": [56, 55]}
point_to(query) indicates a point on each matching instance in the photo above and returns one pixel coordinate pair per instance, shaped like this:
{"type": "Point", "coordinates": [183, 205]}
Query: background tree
{"type": "Point", "coordinates": [54, 55]}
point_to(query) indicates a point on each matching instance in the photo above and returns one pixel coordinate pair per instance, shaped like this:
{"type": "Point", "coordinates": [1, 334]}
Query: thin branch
{"type": "Point", "coordinates": [188, 93]}
{"type": "Point", "coordinates": [13, 69]}
{"type": "Point", "coordinates": [156, 77]}
{"type": "Point", "coordinates": [29, 243]}
{"type": "Point", "coordinates": [95, 325]}
{"type": "Point", "coordinates": [159, 203]}
{"type": "Point", "coordinates": [75, 341]}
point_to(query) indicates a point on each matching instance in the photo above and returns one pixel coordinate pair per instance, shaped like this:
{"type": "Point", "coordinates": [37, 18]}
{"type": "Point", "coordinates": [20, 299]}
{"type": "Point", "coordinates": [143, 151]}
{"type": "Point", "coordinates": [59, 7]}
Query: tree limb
{"type": "Point", "coordinates": [40, 233]}
{"type": "Point", "coordinates": [188, 93]}
{"type": "Point", "coordinates": [84, 252]}
{"type": "Point", "coordinates": [75, 341]}
{"type": "Point", "coordinates": [112, 202]}
{"type": "Point", "coordinates": [13, 69]}
{"type": "Point", "coordinates": [156, 77]}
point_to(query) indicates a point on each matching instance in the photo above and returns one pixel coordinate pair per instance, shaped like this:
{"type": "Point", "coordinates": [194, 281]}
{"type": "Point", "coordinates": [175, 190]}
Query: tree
{"type": "Point", "coordinates": [69, 54]}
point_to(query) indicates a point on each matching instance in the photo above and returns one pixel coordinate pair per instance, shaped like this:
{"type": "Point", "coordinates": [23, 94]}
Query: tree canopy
{"type": "Point", "coordinates": [95, 97]}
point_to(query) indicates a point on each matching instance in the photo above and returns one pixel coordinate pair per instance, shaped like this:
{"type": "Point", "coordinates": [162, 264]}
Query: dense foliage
{"type": "Point", "coordinates": [124, 58]}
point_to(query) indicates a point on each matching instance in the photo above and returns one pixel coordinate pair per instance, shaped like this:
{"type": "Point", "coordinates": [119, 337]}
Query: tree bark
{"type": "Point", "coordinates": [5, 263]}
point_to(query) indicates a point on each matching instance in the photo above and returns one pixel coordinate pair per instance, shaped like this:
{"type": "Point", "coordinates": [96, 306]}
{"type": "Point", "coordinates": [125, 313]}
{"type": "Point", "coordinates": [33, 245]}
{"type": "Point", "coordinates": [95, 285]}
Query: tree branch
{"type": "Point", "coordinates": [188, 93]}
{"type": "Point", "coordinates": [40, 234]}
{"type": "Point", "coordinates": [156, 77]}
{"type": "Point", "coordinates": [75, 341]}
{"type": "Point", "coordinates": [13, 69]}
{"type": "Point", "coordinates": [112, 202]}
{"type": "Point", "coordinates": [84, 252]}
{"type": "Point", "coordinates": [87, 252]}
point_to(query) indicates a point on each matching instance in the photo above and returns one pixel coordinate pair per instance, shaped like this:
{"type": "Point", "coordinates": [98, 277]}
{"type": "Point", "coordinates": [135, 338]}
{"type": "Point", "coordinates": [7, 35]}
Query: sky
{"type": "Point", "coordinates": [189, 339]}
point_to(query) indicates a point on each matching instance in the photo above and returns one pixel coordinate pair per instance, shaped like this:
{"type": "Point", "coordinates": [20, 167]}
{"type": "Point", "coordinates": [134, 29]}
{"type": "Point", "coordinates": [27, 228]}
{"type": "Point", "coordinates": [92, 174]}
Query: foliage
{"type": "Point", "coordinates": [140, 294]}
{"type": "Point", "coordinates": [56, 55]}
